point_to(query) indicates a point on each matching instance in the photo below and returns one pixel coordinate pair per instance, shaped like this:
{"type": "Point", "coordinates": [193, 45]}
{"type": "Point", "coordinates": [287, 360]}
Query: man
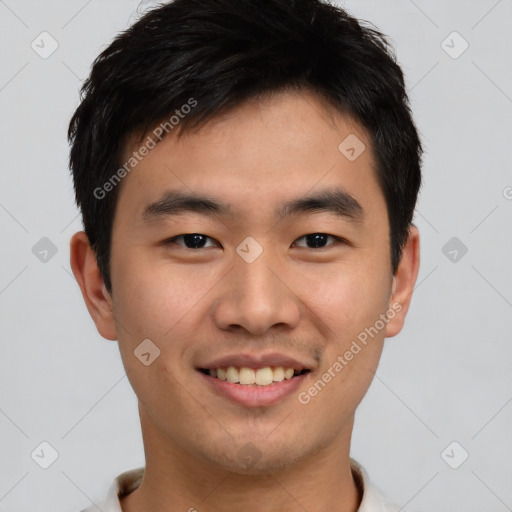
{"type": "Point", "coordinates": [247, 173]}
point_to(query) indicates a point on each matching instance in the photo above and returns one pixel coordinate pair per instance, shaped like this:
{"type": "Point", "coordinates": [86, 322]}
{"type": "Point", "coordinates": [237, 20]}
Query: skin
{"type": "Point", "coordinates": [199, 304]}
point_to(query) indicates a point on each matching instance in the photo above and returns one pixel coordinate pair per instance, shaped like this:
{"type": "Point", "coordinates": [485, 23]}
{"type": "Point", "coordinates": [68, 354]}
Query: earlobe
{"type": "Point", "coordinates": [88, 276]}
{"type": "Point", "coordinates": [404, 281]}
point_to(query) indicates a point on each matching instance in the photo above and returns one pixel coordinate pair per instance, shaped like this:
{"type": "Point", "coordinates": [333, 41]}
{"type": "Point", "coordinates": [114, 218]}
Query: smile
{"type": "Point", "coordinates": [254, 387]}
{"type": "Point", "coordinates": [265, 376]}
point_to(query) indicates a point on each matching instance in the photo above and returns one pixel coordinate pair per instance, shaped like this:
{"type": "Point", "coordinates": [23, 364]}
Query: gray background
{"type": "Point", "coordinates": [445, 378]}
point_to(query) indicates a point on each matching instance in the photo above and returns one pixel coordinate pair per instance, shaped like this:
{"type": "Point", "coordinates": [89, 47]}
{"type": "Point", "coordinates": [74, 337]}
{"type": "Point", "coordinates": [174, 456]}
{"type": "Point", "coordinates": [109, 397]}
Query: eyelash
{"type": "Point", "coordinates": [338, 239]}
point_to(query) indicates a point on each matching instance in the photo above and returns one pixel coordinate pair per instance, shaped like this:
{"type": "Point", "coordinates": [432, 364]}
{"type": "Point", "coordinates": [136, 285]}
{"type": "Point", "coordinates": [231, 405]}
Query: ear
{"type": "Point", "coordinates": [403, 283]}
{"type": "Point", "coordinates": [88, 276]}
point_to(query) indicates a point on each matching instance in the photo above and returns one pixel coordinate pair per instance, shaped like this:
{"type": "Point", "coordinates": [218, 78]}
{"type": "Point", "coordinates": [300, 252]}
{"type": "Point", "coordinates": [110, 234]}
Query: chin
{"type": "Point", "coordinates": [257, 458]}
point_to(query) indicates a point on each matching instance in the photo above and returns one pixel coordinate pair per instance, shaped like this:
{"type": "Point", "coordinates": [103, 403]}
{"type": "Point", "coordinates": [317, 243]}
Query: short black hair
{"type": "Point", "coordinates": [217, 54]}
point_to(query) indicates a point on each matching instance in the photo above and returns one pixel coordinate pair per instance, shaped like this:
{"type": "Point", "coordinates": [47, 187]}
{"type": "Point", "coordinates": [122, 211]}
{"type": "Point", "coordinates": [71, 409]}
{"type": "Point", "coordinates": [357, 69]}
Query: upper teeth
{"type": "Point", "coordinates": [243, 375]}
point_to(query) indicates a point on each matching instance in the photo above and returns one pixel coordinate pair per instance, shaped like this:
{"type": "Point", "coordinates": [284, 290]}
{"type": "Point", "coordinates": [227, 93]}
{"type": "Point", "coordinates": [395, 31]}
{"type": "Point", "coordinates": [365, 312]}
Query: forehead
{"type": "Point", "coordinates": [256, 157]}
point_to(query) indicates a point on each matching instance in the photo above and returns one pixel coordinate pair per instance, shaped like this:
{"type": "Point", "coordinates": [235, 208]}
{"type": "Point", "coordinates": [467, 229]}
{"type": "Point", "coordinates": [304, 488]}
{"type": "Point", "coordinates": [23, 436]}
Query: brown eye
{"type": "Point", "coordinates": [191, 240]}
{"type": "Point", "coordinates": [317, 240]}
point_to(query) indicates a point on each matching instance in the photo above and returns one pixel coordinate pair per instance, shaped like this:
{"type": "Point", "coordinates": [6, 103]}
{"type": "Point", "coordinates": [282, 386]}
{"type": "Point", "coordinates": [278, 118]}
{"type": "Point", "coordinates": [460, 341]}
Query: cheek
{"type": "Point", "coordinates": [348, 304]}
{"type": "Point", "coordinates": [347, 298]}
{"type": "Point", "coordinates": [154, 296]}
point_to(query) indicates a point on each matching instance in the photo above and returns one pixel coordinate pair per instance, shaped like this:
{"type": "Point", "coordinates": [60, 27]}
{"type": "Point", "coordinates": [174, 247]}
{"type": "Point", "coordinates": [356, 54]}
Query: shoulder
{"type": "Point", "coordinates": [123, 484]}
{"type": "Point", "coordinates": [373, 500]}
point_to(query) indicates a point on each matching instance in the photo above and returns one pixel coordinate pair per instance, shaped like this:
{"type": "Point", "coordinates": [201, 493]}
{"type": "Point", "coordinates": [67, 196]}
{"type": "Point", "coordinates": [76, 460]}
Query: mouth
{"type": "Point", "coordinates": [254, 387]}
{"type": "Point", "coordinates": [255, 379]}
{"type": "Point", "coordinates": [246, 376]}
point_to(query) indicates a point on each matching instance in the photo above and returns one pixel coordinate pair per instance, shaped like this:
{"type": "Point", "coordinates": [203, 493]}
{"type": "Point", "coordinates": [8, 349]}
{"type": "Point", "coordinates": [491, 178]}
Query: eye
{"type": "Point", "coordinates": [317, 240]}
{"type": "Point", "coordinates": [190, 240]}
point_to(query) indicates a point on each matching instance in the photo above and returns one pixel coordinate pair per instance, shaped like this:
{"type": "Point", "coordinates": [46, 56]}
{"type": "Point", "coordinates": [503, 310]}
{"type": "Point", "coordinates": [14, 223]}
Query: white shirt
{"type": "Point", "coordinates": [127, 482]}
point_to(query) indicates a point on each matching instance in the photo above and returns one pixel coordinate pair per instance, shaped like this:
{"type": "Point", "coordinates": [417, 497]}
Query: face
{"type": "Point", "coordinates": [268, 278]}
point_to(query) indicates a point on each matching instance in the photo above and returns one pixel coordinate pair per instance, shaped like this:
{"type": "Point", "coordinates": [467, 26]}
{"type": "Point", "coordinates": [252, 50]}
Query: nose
{"type": "Point", "coordinates": [257, 297]}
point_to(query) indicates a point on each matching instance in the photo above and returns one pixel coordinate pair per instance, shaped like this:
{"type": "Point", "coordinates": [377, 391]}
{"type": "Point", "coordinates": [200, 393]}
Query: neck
{"type": "Point", "coordinates": [177, 480]}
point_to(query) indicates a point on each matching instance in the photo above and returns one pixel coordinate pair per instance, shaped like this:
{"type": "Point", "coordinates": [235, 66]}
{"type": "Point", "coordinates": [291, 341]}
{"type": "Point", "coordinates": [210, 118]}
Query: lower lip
{"type": "Point", "coordinates": [254, 395]}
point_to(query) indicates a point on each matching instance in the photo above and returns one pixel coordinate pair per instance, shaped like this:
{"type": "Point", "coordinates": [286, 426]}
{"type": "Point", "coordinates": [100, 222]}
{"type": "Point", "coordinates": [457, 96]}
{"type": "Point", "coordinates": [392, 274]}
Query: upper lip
{"type": "Point", "coordinates": [256, 361]}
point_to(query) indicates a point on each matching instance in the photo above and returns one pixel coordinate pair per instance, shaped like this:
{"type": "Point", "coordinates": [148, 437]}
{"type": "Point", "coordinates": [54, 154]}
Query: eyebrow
{"type": "Point", "coordinates": [334, 200]}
